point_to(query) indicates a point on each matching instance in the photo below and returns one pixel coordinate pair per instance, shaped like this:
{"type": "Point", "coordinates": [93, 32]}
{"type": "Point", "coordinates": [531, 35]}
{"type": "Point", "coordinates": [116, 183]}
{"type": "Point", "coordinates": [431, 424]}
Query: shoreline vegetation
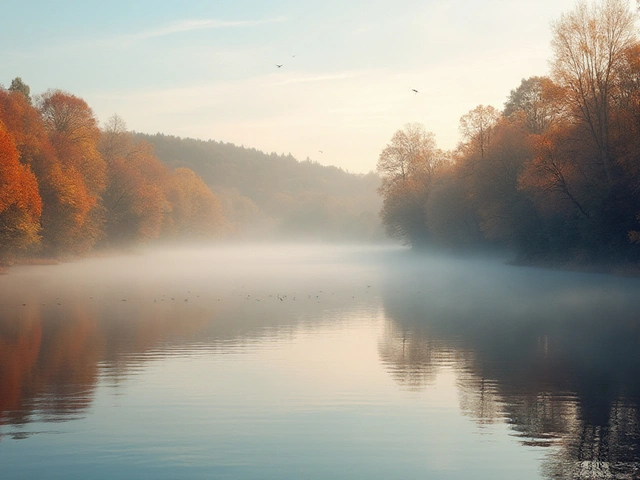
{"type": "Point", "coordinates": [71, 189]}
{"type": "Point", "coordinates": [68, 188]}
{"type": "Point", "coordinates": [553, 177]}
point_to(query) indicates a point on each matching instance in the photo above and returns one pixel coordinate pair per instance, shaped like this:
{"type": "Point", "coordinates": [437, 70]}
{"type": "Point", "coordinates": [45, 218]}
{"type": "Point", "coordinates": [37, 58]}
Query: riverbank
{"type": "Point", "coordinates": [616, 269]}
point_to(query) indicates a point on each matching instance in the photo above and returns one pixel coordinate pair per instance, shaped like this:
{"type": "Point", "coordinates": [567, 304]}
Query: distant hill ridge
{"type": "Point", "coordinates": [248, 169]}
{"type": "Point", "coordinates": [277, 194]}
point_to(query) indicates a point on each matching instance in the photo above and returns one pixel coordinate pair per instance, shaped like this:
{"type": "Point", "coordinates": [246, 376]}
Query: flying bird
{"type": "Point", "coordinates": [279, 65]}
{"type": "Point", "coordinates": [414, 90]}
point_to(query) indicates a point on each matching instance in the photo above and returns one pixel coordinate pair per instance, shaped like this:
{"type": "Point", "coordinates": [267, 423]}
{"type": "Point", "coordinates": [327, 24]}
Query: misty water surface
{"type": "Point", "coordinates": [316, 362]}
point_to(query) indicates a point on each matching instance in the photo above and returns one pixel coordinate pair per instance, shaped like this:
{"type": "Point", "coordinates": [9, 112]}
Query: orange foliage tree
{"type": "Point", "coordinates": [81, 174]}
{"type": "Point", "coordinates": [407, 165]}
{"type": "Point", "coordinates": [20, 202]}
{"type": "Point", "coordinates": [65, 198]}
{"type": "Point", "coordinates": [590, 46]}
{"type": "Point", "coordinates": [134, 198]}
{"type": "Point", "coordinates": [537, 103]}
{"type": "Point", "coordinates": [554, 173]}
{"type": "Point", "coordinates": [194, 212]}
{"type": "Point", "coordinates": [506, 213]}
{"type": "Point", "coordinates": [476, 127]}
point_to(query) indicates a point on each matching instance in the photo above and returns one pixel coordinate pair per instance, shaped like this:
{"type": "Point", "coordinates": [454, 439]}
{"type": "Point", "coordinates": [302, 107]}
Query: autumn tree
{"type": "Point", "coordinates": [407, 166]}
{"type": "Point", "coordinates": [627, 116]}
{"type": "Point", "coordinates": [476, 128]}
{"type": "Point", "coordinates": [506, 213]}
{"type": "Point", "coordinates": [412, 153]}
{"type": "Point", "coordinates": [589, 46]}
{"type": "Point", "coordinates": [581, 219]}
{"type": "Point", "coordinates": [134, 198]}
{"type": "Point", "coordinates": [554, 172]}
{"type": "Point", "coordinates": [556, 175]}
{"type": "Point", "coordinates": [65, 198]}
{"type": "Point", "coordinates": [453, 221]}
{"type": "Point", "coordinates": [193, 211]}
{"type": "Point", "coordinates": [537, 101]}
{"type": "Point", "coordinates": [595, 56]}
{"type": "Point", "coordinates": [20, 203]}
{"type": "Point", "coordinates": [74, 134]}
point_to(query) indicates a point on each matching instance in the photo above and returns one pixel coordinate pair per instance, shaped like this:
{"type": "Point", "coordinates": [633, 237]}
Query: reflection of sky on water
{"type": "Point", "coordinates": [328, 365]}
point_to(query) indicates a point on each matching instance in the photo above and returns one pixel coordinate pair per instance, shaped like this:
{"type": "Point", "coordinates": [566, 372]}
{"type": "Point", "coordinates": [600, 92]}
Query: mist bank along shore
{"type": "Point", "coordinates": [631, 270]}
{"type": "Point", "coordinates": [508, 257]}
{"type": "Point", "coordinates": [391, 254]}
{"type": "Point", "coordinates": [69, 186]}
{"type": "Point", "coordinates": [246, 345]}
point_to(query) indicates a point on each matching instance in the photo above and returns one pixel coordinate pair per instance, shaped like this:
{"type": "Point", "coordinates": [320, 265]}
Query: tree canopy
{"type": "Point", "coordinates": [555, 176]}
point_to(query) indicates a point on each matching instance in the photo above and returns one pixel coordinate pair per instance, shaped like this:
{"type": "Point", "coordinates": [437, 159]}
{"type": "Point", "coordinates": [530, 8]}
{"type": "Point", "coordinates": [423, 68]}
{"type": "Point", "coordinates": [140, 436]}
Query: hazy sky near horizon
{"type": "Point", "coordinates": [207, 69]}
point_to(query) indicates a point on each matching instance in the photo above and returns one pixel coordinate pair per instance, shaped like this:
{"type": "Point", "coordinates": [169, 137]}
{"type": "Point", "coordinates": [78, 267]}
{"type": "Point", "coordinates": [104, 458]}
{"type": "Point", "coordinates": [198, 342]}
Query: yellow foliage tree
{"type": "Point", "coordinates": [194, 211]}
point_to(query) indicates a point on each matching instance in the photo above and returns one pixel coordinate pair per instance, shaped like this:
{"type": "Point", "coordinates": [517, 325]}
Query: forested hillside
{"type": "Point", "coordinates": [277, 196]}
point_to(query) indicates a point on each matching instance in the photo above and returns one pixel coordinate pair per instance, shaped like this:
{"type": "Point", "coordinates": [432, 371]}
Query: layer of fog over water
{"type": "Point", "coordinates": [316, 362]}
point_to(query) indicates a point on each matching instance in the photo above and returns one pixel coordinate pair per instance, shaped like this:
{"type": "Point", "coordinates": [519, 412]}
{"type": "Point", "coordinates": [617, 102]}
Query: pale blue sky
{"type": "Point", "coordinates": [206, 69]}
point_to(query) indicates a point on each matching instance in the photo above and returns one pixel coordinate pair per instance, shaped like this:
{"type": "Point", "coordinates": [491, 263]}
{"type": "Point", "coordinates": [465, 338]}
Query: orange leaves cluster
{"type": "Point", "coordinates": [196, 212]}
{"type": "Point", "coordinates": [66, 186]}
{"type": "Point", "coordinates": [20, 203]}
{"type": "Point", "coordinates": [74, 133]}
{"type": "Point", "coordinates": [134, 197]}
{"type": "Point", "coordinates": [144, 200]}
{"type": "Point", "coordinates": [556, 174]}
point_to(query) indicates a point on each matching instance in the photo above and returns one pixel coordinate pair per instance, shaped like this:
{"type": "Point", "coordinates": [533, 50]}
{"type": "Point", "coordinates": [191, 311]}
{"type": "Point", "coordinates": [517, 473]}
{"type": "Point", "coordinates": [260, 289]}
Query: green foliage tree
{"type": "Point", "coordinates": [17, 85]}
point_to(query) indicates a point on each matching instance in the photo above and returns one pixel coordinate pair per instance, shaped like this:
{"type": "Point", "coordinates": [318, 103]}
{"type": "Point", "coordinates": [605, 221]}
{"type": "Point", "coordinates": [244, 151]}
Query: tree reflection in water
{"type": "Point", "coordinates": [63, 332]}
{"type": "Point", "coordinates": [554, 355]}
{"type": "Point", "coordinates": [52, 354]}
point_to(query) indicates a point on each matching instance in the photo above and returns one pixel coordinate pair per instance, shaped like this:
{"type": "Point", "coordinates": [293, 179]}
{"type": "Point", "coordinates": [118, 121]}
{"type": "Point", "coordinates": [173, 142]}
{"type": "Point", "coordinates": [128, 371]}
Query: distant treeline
{"type": "Point", "coordinates": [66, 186]}
{"type": "Point", "coordinates": [276, 196]}
{"type": "Point", "coordinates": [555, 175]}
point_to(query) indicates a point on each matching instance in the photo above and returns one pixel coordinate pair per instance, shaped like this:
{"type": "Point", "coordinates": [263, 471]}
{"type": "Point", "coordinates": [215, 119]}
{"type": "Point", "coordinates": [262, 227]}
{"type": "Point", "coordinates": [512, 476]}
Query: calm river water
{"type": "Point", "coordinates": [308, 362]}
